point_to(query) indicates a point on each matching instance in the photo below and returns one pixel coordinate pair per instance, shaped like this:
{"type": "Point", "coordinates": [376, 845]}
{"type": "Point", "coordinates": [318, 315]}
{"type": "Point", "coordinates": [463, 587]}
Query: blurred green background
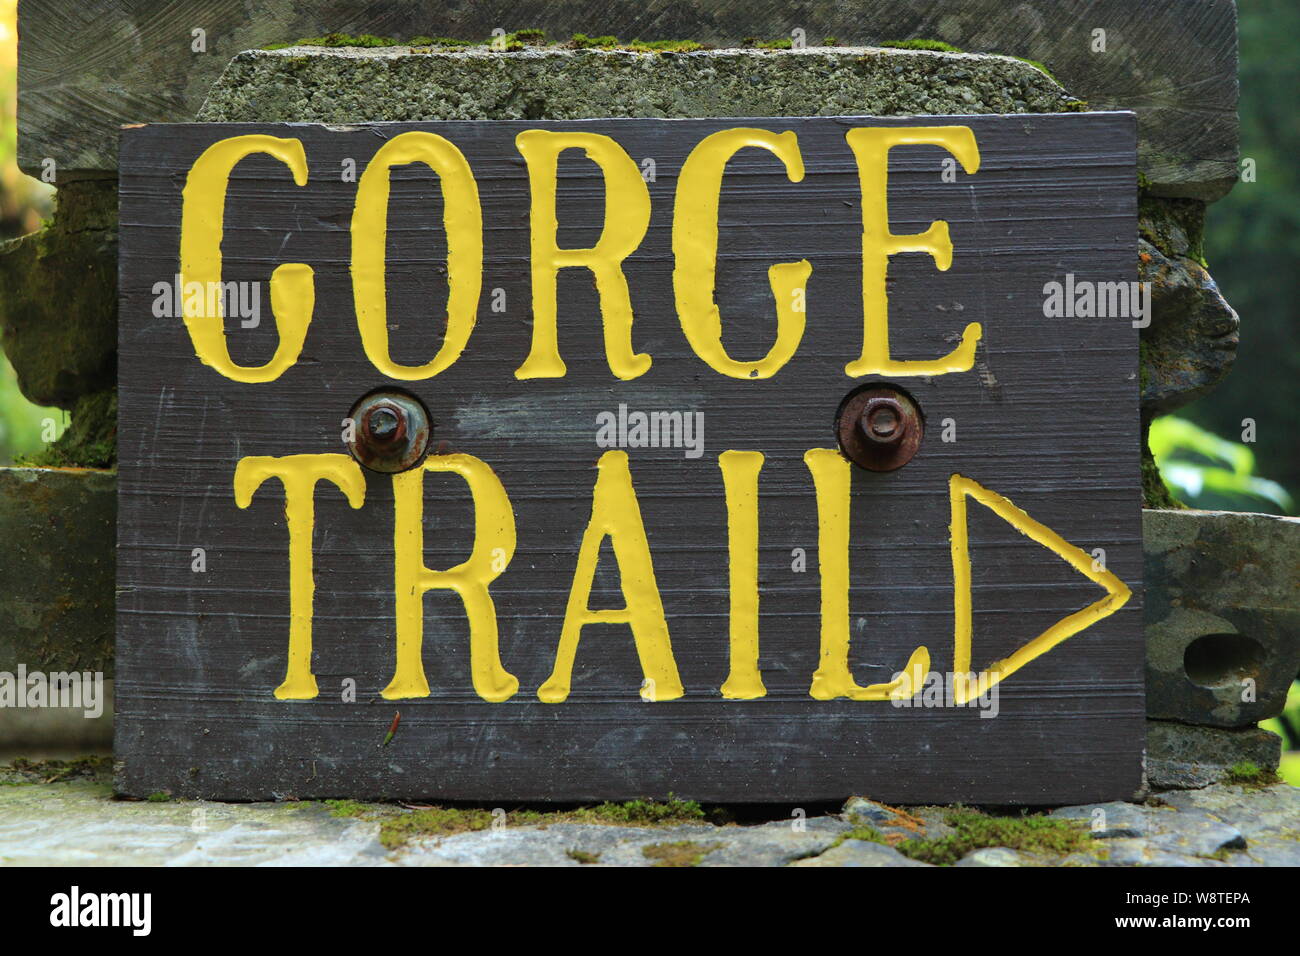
{"type": "Point", "coordinates": [1252, 243]}
{"type": "Point", "coordinates": [23, 203]}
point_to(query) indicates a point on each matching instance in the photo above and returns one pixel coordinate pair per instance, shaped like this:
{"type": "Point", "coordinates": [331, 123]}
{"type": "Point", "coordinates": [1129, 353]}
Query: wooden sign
{"type": "Point", "coordinates": [741, 459]}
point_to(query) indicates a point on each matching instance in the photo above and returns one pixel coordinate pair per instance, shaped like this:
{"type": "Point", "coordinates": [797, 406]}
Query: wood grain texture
{"type": "Point", "coordinates": [1048, 418]}
{"type": "Point", "coordinates": [87, 68]}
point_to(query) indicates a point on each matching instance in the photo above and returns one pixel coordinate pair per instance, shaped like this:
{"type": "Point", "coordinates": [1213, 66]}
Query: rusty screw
{"type": "Point", "coordinates": [385, 423]}
{"type": "Point", "coordinates": [879, 428]}
{"type": "Point", "coordinates": [882, 421]}
{"type": "Point", "coordinates": [391, 431]}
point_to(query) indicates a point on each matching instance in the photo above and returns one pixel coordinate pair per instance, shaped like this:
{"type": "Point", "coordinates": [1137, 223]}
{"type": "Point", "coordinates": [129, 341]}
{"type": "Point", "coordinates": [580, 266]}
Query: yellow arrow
{"type": "Point", "coordinates": [1117, 592]}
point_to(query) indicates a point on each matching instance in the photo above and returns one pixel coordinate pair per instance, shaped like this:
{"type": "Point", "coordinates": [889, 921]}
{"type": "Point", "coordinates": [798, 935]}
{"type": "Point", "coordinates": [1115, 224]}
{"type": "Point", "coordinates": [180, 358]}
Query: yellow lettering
{"type": "Point", "coordinates": [1117, 592]}
{"type": "Point", "coordinates": [494, 544]}
{"type": "Point", "coordinates": [203, 207]}
{"type": "Point", "coordinates": [832, 478]}
{"type": "Point", "coordinates": [615, 514]}
{"type": "Point", "coordinates": [462, 219]}
{"type": "Point", "coordinates": [871, 147]}
{"type": "Point", "coordinates": [299, 474]}
{"type": "Point", "coordinates": [627, 216]}
{"type": "Point", "coordinates": [695, 254]}
{"type": "Point", "coordinates": [740, 477]}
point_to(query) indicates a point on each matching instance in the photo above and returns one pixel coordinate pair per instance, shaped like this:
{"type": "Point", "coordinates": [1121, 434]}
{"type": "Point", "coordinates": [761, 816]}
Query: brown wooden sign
{"type": "Point", "coordinates": [741, 459]}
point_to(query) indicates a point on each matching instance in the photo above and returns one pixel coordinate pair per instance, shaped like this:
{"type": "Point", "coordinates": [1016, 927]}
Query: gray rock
{"type": "Point", "coordinates": [860, 853]}
{"type": "Point", "coordinates": [1192, 340]}
{"type": "Point", "coordinates": [1268, 817]}
{"type": "Point", "coordinates": [1000, 856]}
{"type": "Point", "coordinates": [58, 576]}
{"type": "Point", "coordinates": [1181, 756]}
{"type": "Point", "coordinates": [913, 823]}
{"type": "Point", "coordinates": [331, 85]}
{"type": "Point", "coordinates": [1108, 821]}
{"type": "Point", "coordinates": [77, 823]}
{"type": "Point", "coordinates": [1222, 611]}
{"type": "Point", "coordinates": [565, 844]}
{"type": "Point", "coordinates": [1195, 834]}
{"type": "Point", "coordinates": [1131, 852]}
{"type": "Point", "coordinates": [58, 298]}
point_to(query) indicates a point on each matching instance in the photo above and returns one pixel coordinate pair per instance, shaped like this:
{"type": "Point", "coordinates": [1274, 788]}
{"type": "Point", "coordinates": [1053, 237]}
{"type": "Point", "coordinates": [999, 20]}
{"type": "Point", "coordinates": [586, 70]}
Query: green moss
{"type": "Point", "coordinates": [830, 41]}
{"type": "Point", "coordinates": [582, 856]}
{"type": "Point", "coordinates": [1174, 226]}
{"type": "Point", "coordinates": [974, 830]}
{"type": "Point", "coordinates": [936, 46]}
{"type": "Point", "coordinates": [531, 37]}
{"type": "Point", "coordinates": [346, 808]}
{"type": "Point", "coordinates": [1250, 774]}
{"type": "Point", "coordinates": [422, 44]}
{"type": "Point", "coordinates": [89, 441]}
{"type": "Point", "coordinates": [681, 853]}
{"type": "Point", "coordinates": [641, 813]}
{"type": "Point", "coordinates": [398, 825]}
{"type": "Point", "coordinates": [663, 46]}
{"type": "Point", "coordinates": [396, 830]}
{"type": "Point", "coordinates": [339, 40]}
{"type": "Point", "coordinates": [581, 41]}
{"type": "Point", "coordinates": [869, 834]}
{"type": "Point", "coordinates": [1036, 65]}
{"type": "Point", "coordinates": [161, 796]}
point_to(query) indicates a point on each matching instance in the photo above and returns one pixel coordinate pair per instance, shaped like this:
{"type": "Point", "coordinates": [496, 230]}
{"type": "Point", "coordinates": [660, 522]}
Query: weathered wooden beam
{"type": "Point", "coordinates": [86, 69]}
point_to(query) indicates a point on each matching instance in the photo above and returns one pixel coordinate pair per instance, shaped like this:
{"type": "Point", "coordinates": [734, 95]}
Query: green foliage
{"type": "Point", "coordinates": [21, 422]}
{"type": "Point", "coordinates": [1253, 239]}
{"type": "Point", "coordinates": [1205, 470]}
{"type": "Point", "coordinates": [1287, 726]}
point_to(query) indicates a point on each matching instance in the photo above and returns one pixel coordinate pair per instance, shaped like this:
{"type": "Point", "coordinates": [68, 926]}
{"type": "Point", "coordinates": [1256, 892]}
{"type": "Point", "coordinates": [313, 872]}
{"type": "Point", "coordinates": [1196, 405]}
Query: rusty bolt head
{"type": "Point", "coordinates": [391, 431]}
{"type": "Point", "coordinates": [384, 423]}
{"type": "Point", "coordinates": [882, 421]}
{"type": "Point", "coordinates": [879, 428]}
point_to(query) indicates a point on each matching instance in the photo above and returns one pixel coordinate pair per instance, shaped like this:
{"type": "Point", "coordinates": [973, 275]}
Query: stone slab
{"type": "Point", "coordinates": [77, 823]}
{"type": "Point", "coordinates": [1183, 756]}
{"type": "Point", "coordinates": [57, 568]}
{"type": "Point", "coordinates": [1222, 615]}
